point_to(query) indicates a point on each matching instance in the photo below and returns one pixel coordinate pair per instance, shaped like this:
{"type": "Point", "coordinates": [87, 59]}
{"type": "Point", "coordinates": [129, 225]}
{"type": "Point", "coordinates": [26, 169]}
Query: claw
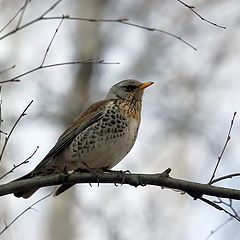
{"type": "Point", "coordinates": [122, 175]}
{"type": "Point", "coordinates": [94, 172]}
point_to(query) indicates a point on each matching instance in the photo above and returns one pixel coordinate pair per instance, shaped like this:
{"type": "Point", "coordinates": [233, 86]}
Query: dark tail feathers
{"type": "Point", "coordinates": [29, 192]}
{"type": "Point", "coordinates": [62, 189]}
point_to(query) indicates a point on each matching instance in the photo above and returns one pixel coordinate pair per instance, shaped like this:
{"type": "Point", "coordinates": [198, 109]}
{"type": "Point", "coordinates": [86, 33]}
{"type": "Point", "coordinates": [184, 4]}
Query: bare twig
{"type": "Point", "coordinates": [41, 17]}
{"type": "Point", "coordinates": [225, 177]}
{"type": "Point", "coordinates": [1, 114]}
{"type": "Point", "coordinates": [1, 131]}
{"type": "Point", "coordinates": [67, 17]}
{"type": "Point", "coordinates": [12, 129]}
{"type": "Point", "coordinates": [215, 205]}
{"type": "Point", "coordinates": [5, 70]}
{"type": "Point", "coordinates": [21, 10]}
{"type": "Point", "coordinates": [219, 227]}
{"type": "Point", "coordinates": [191, 8]}
{"type": "Point", "coordinates": [42, 66]}
{"type": "Point", "coordinates": [30, 22]}
{"type": "Point", "coordinates": [224, 148]}
{"type": "Point", "coordinates": [162, 31]}
{"type": "Point", "coordinates": [123, 21]}
{"type": "Point", "coordinates": [49, 45]}
{"type": "Point", "coordinates": [229, 205]}
{"type": "Point", "coordinates": [22, 13]}
{"type": "Point", "coordinates": [27, 209]}
{"type": "Point", "coordinates": [16, 79]}
{"type": "Point", "coordinates": [20, 164]}
{"type": "Point", "coordinates": [51, 8]}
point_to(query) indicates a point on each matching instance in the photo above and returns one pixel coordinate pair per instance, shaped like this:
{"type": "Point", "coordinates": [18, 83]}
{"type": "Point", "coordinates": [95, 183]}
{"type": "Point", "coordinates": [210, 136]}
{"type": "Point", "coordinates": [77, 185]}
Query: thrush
{"type": "Point", "coordinates": [98, 139]}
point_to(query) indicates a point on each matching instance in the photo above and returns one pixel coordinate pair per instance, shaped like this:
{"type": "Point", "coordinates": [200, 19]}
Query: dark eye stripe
{"type": "Point", "coordinates": [129, 88]}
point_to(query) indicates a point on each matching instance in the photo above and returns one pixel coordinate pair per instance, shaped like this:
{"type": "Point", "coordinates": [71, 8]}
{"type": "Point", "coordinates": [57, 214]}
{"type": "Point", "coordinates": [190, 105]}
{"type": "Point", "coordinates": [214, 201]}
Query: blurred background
{"type": "Point", "coordinates": [185, 119]}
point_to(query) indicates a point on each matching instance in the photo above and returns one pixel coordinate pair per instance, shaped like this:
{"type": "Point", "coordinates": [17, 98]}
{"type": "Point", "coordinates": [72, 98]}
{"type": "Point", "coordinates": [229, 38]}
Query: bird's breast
{"type": "Point", "coordinates": [104, 143]}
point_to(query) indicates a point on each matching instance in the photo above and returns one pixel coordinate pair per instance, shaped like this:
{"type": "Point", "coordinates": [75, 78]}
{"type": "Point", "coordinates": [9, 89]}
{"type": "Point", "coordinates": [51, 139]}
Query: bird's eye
{"type": "Point", "coordinates": [129, 88]}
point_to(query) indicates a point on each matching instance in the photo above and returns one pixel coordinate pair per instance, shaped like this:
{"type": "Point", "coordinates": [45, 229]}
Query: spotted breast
{"type": "Point", "coordinates": [99, 145]}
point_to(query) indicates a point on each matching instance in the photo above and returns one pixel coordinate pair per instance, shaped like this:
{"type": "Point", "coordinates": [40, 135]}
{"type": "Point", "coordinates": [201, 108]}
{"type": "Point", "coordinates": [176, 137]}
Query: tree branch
{"type": "Point", "coordinates": [120, 20]}
{"type": "Point", "coordinates": [158, 179]}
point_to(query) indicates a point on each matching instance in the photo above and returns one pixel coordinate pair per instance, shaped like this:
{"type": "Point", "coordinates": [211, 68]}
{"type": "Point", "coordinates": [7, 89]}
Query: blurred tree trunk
{"type": "Point", "coordinates": [87, 44]}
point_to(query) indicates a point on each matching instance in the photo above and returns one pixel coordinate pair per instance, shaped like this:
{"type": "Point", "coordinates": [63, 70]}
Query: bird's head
{"type": "Point", "coordinates": [131, 90]}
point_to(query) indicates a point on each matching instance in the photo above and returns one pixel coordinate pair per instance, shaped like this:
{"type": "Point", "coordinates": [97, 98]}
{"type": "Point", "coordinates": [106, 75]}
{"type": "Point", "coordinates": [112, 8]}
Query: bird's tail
{"type": "Point", "coordinates": [62, 189]}
{"type": "Point", "coordinates": [28, 192]}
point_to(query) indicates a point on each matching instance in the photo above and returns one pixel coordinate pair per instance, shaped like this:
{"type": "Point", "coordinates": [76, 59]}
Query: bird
{"type": "Point", "coordinates": [98, 139]}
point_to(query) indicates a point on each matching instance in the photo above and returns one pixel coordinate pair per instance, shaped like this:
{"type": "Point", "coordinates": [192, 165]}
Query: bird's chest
{"type": "Point", "coordinates": [105, 143]}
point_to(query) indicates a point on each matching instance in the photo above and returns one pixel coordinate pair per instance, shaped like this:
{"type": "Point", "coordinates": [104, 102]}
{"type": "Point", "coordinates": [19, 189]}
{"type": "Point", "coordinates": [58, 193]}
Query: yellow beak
{"type": "Point", "coordinates": [145, 85]}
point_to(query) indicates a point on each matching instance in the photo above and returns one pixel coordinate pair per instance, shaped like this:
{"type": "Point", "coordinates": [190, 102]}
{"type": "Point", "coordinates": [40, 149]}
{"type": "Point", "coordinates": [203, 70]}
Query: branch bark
{"type": "Point", "coordinates": [163, 180]}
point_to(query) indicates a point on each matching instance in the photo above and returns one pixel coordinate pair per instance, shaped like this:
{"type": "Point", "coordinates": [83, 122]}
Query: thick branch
{"type": "Point", "coordinates": [158, 179]}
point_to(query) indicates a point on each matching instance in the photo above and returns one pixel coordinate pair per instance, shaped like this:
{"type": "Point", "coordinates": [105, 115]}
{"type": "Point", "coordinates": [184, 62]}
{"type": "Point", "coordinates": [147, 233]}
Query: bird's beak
{"type": "Point", "coordinates": [145, 85]}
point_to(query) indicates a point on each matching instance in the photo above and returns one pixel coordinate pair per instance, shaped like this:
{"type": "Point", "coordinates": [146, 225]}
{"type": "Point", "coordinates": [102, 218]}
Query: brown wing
{"type": "Point", "coordinates": [84, 120]}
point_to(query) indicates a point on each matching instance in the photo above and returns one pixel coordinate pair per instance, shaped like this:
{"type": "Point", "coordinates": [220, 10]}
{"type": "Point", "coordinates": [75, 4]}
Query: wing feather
{"type": "Point", "coordinates": [86, 119]}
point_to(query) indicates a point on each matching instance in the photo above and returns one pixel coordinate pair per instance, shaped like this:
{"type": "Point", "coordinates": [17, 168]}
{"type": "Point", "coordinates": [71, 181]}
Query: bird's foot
{"type": "Point", "coordinates": [121, 173]}
{"type": "Point", "coordinates": [95, 172]}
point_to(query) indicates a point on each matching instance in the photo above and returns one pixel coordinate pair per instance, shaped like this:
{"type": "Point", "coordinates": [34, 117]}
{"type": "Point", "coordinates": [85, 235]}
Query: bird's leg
{"type": "Point", "coordinates": [65, 171]}
{"type": "Point", "coordinates": [94, 171]}
{"type": "Point", "coordinates": [64, 174]}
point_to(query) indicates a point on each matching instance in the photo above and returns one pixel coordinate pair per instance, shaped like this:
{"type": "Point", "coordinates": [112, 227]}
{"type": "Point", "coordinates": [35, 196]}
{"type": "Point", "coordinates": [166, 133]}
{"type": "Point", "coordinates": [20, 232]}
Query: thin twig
{"type": "Point", "coordinates": [12, 19]}
{"type": "Point", "coordinates": [27, 209]}
{"type": "Point", "coordinates": [42, 66]}
{"type": "Point", "coordinates": [20, 164]}
{"type": "Point", "coordinates": [213, 204]}
{"type": "Point", "coordinates": [224, 147]}
{"type": "Point", "coordinates": [229, 205]}
{"type": "Point", "coordinates": [49, 45]}
{"type": "Point", "coordinates": [22, 13]}
{"type": "Point", "coordinates": [191, 8]}
{"type": "Point", "coordinates": [30, 22]}
{"type": "Point", "coordinates": [1, 114]}
{"type": "Point", "coordinates": [1, 131]}
{"type": "Point", "coordinates": [51, 8]}
{"type": "Point", "coordinates": [5, 70]}
{"type": "Point", "coordinates": [225, 177]}
{"type": "Point", "coordinates": [67, 17]}
{"type": "Point", "coordinates": [16, 79]}
{"type": "Point", "coordinates": [219, 227]}
{"type": "Point", "coordinates": [12, 129]}
{"type": "Point", "coordinates": [161, 31]}
{"type": "Point", "coordinates": [123, 21]}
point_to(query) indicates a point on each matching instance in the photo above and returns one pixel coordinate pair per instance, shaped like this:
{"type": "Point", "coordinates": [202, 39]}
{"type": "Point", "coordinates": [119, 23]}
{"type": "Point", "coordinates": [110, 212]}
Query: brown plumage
{"type": "Point", "coordinates": [99, 138]}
